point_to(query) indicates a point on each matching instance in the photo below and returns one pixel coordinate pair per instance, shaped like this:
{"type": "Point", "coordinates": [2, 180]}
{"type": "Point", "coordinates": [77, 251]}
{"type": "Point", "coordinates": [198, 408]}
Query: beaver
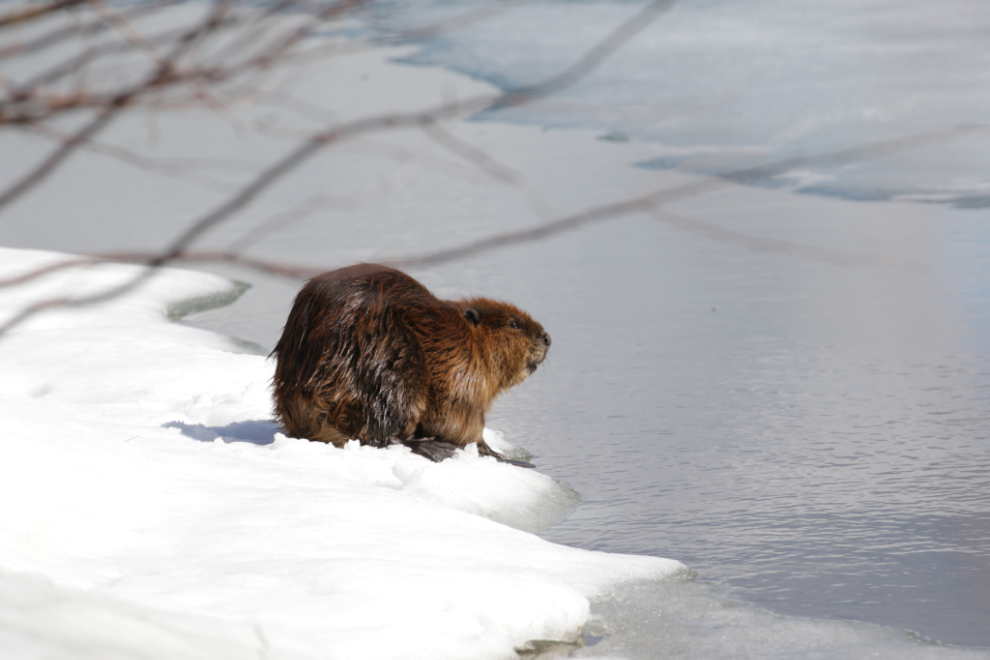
{"type": "Point", "coordinates": [368, 353]}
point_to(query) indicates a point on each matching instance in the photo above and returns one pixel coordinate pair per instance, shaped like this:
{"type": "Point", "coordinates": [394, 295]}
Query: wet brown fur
{"type": "Point", "coordinates": [369, 353]}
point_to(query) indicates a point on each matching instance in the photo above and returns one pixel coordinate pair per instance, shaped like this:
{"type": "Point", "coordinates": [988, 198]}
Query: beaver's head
{"type": "Point", "coordinates": [511, 341]}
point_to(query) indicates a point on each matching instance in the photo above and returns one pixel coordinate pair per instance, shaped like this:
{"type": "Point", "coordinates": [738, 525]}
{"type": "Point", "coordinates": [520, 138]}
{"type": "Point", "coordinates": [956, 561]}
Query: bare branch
{"type": "Point", "coordinates": [179, 168]}
{"type": "Point", "coordinates": [433, 30]}
{"type": "Point", "coordinates": [857, 154]}
{"type": "Point", "coordinates": [165, 66]}
{"type": "Point", "coordinates": [89, 29]}
{"type": "Point", "coordinates": [591, 59]}
{"type": "Point", "coordinates": [163, 73]}
{"type": "Point", "coordinates": [274, 223]}
{"type": "Point", "coordinates": [470, 153]}
{"type": "Point", "coordinates": [30, 13]}
{"type": "Point", "coordinates": [262, 265]}
{"type": "Point", "coordinates": [767, 245]}
{"type": "Point", "coordinates": [56, 158]}
{"type": "Point", "coordinates": [428, 120]}
{"type": "Point", "coordinates": [83, 301]}
{"type": "Point", "coordinates": [37, 273]}
{"type": "Point", "coordinates": [650, 201]}
{"type": "Point", "coordinates": [559, 226]}
{"type": "Point", "coordinates": [300, 155]}
{"type": "Point", "coordinates": [282, 46]}
{"type": "Point", "coordinates": [217, 256]}
{"type": "Point", "coordinates": [487, 164]}
{"type": "Point", "coordinates": [124, 27]}
{"type": "Point", "coordinates": [347, 131]}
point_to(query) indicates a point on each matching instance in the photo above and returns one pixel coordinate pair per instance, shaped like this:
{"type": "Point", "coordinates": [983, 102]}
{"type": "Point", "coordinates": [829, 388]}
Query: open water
{"type": "Point", "coordinates": [812, 435]}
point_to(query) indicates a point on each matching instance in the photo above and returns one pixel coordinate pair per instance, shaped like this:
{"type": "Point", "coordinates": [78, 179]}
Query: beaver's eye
{"type": "Point", "coordinates": [513, 325]}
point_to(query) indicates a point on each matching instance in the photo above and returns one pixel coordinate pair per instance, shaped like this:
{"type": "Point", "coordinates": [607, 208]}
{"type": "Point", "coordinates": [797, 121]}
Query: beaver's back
{"type": "Point", "coordinates": [348, 364]}
{"type": "Point", "coordinates": [369, 353]}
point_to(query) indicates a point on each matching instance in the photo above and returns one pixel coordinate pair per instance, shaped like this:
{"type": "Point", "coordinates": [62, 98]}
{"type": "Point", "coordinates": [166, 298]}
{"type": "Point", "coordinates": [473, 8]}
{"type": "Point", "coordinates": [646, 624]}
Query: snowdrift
{"type": "Point", "coordinates": [149, 506]}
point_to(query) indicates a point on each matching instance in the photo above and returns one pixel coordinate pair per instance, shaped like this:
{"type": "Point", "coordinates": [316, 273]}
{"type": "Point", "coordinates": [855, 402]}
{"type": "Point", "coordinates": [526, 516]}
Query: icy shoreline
{"type": "Point", "coordinates": [139, 480]}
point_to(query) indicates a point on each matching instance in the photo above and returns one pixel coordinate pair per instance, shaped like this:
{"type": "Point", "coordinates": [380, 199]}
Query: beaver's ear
{"type": "Point", "coordinates": [473, 317]}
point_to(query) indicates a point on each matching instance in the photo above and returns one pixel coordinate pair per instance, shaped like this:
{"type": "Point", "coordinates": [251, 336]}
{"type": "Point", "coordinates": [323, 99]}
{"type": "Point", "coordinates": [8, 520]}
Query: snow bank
{"type": "Point", "coordinates": [143, 477]}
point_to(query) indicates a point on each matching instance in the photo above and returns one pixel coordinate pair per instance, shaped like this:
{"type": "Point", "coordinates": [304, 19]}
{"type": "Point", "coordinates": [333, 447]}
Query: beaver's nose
{"type": "Point", "coordinates": [545, 338]}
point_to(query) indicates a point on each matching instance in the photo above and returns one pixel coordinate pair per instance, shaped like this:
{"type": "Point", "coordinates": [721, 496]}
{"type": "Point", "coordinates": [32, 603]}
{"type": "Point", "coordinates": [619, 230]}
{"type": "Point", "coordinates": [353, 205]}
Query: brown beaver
{"type": "Point", "coordinates": [368, 353]}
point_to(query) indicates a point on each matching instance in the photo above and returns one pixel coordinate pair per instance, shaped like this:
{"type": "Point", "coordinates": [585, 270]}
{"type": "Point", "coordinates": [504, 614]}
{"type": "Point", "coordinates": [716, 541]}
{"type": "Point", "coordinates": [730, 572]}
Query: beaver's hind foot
{"type": "Point", "coordinates": [431, 448]}
{"type": "Point", "coordinates": [438, 450]}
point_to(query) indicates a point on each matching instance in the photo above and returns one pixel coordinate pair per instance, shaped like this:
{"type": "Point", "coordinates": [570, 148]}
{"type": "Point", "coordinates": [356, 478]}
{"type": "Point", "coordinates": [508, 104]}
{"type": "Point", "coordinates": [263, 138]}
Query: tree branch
{"type": "Point", "coordinates": [30, 13]}
{"type": "Point", "coordinates": [294, 159]}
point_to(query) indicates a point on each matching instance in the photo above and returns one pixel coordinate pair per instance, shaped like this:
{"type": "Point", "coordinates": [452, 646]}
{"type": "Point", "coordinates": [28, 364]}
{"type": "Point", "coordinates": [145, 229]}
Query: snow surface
{"type": "Point", "coordinates": [149, 506]}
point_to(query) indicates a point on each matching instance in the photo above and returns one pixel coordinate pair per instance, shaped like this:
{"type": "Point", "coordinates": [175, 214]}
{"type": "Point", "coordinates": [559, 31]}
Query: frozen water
{"type": "Point", "coordinates": [728, 85]}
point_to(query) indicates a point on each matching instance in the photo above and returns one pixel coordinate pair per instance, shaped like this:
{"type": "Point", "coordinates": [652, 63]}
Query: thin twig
{"type": "Point", "coordinates": [389, 121]}
{"type": "Point", "coordinates": [470, 153]}
{"type": "Point", "coordinates": [649, 201]}
{"type": "Point", "coordinates": [277, 171]}
{"type": "Point", "coordinates": [160, 76]}
{"type": "Point", "coordinates": [768, 245]}
{"type": "Point", "coordinates": [89, 29]}
{"type": "Point", "coordinates": [592, 59]}
{"type": "Point", "coordinates": [31, 12]}
{"type": "Point", "coordinates": [66, 149]}
{"type": "Point", "coordinates": [433, 30]}
{"type": "Point", "coordinates": [178, 168]}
